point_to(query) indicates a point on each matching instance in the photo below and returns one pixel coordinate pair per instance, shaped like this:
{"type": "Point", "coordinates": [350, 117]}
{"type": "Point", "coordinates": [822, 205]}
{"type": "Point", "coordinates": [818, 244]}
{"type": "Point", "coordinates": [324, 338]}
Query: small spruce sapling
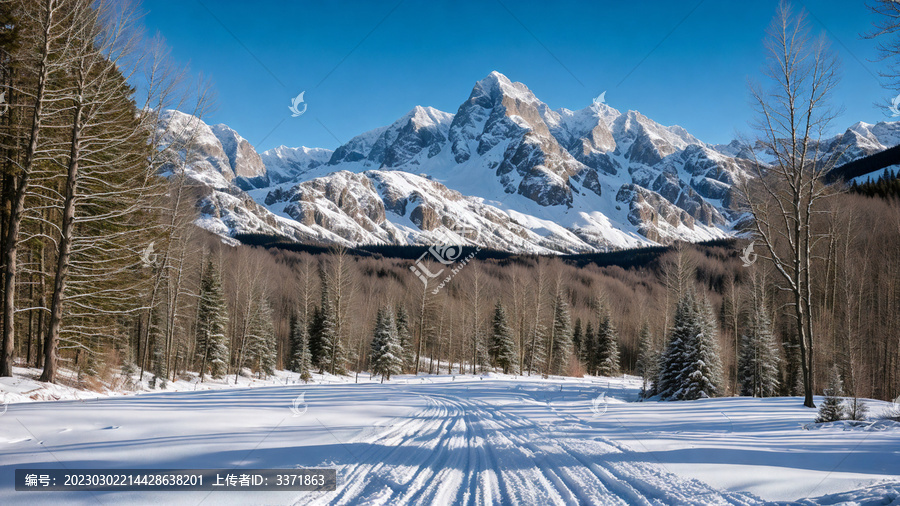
{"type": "Point", "coordinates": [857, 409]}
{"type": "Point", "coordinates": [832, 409]}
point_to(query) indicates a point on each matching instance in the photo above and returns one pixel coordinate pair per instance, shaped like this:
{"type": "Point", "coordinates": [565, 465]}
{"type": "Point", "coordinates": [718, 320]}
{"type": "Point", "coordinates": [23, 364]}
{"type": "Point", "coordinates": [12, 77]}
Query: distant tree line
{"type": "Point", "coordinates": [887, 186]}
{"type": "Point", "coordinates": [866, 165]}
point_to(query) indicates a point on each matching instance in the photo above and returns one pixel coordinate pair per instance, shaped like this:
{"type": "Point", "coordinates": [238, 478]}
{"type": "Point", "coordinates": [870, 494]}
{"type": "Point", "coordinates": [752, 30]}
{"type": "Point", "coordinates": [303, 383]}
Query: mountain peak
{"type": "Point", "coordinates": [497, 77]}
{"type": "Point", "coordinates": [426, 116]}
{"type": "Point", "coordinates": [497, 84]}
{"type": "Point", "coordinates": [222, 127]}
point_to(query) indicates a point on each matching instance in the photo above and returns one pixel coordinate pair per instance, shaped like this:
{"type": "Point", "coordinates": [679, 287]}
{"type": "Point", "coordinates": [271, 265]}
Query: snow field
{"type": "Point", "coordinates": [462, 440]}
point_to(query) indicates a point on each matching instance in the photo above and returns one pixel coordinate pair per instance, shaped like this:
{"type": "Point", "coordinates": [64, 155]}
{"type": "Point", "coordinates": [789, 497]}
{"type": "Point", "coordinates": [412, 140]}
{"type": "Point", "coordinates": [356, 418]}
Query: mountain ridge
{"type": "Point", "coordinates": [527, 178]}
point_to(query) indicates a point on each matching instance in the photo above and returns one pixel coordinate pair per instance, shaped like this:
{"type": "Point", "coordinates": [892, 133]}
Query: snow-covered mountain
{"type": "Point", "coordinates": [528, 178]}
{"type": "Point", "coordinates": [284, 164]}
{"type": "Point", "coordinates": [219, 175]}
{"type": "Point", "coordinates": [863, 139]}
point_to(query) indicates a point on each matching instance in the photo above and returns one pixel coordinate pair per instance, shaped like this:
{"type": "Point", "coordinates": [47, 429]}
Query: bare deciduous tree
{"type": "Point", "coordinates": [783, 198]}
{"type": "Point", "coordinates": [886, 31]}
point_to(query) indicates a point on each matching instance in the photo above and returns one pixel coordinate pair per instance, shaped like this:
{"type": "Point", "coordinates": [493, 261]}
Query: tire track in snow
{"type": "Point", "coordinates": [444, 457]}
{"type": "Point", "coordinates": [484, 485]}
{"type": "Point", "coordinates": [648, 478]}
{"type": "Point", "coordinates": [634, 488]}
{"type": "Point", "coordinates": [525, 486]}
{"type": "Point", "coordinates": [564, 481]}
{"type": "Point", "coordinates": [462, 451]}
{"type": "Point", "coordinates": [358, 479]}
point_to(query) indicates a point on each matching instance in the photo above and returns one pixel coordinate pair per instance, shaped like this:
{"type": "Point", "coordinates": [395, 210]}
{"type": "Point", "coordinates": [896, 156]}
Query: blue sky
{"type": "Point", "coordinates": [364, 64]}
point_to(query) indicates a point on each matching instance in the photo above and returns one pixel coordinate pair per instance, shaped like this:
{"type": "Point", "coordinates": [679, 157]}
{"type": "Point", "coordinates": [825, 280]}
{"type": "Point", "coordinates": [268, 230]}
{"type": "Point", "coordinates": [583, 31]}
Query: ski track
{"type": "Point", "coordinates": [464, 451]}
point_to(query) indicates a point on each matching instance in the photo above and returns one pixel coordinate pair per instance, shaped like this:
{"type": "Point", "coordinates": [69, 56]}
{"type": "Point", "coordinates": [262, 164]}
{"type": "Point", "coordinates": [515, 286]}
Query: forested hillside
{"type": "Point", "coordinates": [885, 186]}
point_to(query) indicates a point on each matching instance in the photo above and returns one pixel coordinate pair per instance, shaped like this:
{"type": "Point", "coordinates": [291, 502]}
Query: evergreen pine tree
{"type": "Point", "coordinates": [647, 359]}
{"type": "Point", "coordinates": [577, 340]}
{"type": "Point", "coordinates": [561, 345]}
{"type": "Point", "coordinates": [671, 361]}
{"type": "Point", "coordinates": [607, 344]}
{"type": "Point", "coordinates": [689, 367]}
{"type": "Point", "coordinates": [260, 353]}
{"type": "Point", "coordinates": [301, 360]}
{"type": "Point", "coordinates": [589, 347]}
{"type": "Point", "coordinates": [493, 345]}
{"type": "Point", "coordinates": [386, 356]}
{"type": "Point", "coordinates": [406, 343]}
{"type": "Point", "coordinates": [702, 376]}
{"type": "Point", "coordinates": [314, 330]}
{"type": "Point", "coordinates": [758, 361]}
{"type": "Point", "coordinates": [833, 409]}
{"type": "Point", "coordinates": [502, 346]}
{"type": "Point", "coordinates": [293, 343]}
{"type": "Point", "coordinates": [212, 319]}
{"type": "Point", "coordinates": [331, 351]}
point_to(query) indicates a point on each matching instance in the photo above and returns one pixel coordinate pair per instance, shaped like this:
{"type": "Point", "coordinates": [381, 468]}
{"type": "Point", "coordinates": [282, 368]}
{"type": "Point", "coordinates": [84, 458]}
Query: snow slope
{"type": "Point", "coordinates": [462, 440]}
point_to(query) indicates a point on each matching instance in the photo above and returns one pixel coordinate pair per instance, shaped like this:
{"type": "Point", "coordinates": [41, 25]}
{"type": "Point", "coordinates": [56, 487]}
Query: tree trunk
{"type": "Point", "coordinates": [450, 350]}
{"type": "Point", "coordinates": [18, 207]}
{"type": "Point", "coordinates": [65, 251]}
{"type": "Point", "coordinates": [30, 318]}
{"type": "Point", "coordinates": [421, 328]}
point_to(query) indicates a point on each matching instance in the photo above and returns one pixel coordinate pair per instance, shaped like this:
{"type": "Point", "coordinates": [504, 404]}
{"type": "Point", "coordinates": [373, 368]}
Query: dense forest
{"type": "Point", "coordinates": [106, 277]}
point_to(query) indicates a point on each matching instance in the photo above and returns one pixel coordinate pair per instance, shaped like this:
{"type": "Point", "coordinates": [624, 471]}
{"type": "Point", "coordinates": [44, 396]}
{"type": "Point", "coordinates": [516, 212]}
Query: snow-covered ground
{"type": "Point", "coordinates": [458, 440]}
{"type": "Point", "coordinates": [24, 385]}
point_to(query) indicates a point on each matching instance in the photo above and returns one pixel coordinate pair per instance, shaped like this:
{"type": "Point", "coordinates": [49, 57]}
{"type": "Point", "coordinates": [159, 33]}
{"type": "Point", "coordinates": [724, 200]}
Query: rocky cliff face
{"type": "Point", "coordinates": [397, 207]}
{"type": "Point", "coordinates": [196, 144]}
{"type": "Point", "coordinates": [246, 165]}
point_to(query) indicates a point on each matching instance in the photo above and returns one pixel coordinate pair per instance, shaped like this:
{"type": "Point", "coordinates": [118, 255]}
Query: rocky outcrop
{"type": "Point", "coordinates": [398, 207]}
{"type": "Point", "coordinates": [653, 214]}
{"type": "Point", "coordinates": [246, 165]}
